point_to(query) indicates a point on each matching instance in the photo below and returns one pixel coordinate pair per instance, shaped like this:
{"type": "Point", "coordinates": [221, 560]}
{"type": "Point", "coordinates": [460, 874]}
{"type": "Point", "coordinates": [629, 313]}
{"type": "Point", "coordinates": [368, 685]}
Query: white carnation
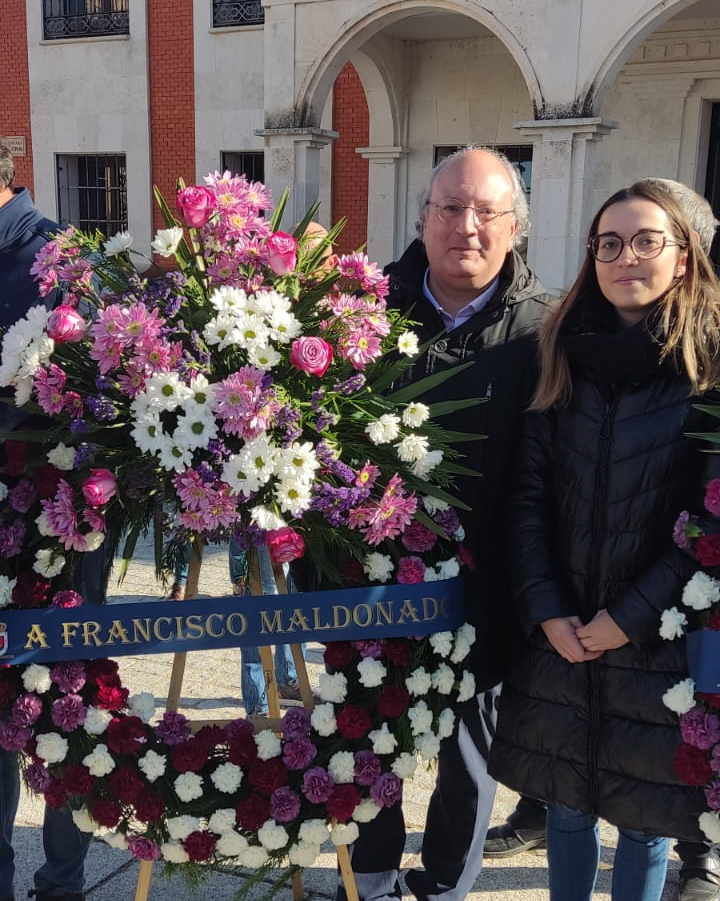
{"type": "Point", "coordinates": [84, 821]}
{"type": "Point", "coordinates": [420, 717]}
{"type": "Point", "coordinates": [427, 745]}
{"type": "Point", "coordinates": [189, 787]}
{"type": "Point", "coordinates": [366, 811]}
{"type": "Point", "coordinates": [180, 827]}
{"type": "Point", "coordinates": [446, 723]}
{"type": "Point", "coordinates": [222, 821]}
{"type": "Point", "coordinates": [93, 540]}
{"type": "Point", "coordinates": [672, 624]}
{"type": "Point", "coordinates": [62, 457]}
{"type": "Point", "coordinates": [315, 832]}
{"type": "Point", "coordinates": [6, 590]}
{"type": "Point", "coordinates": [443, 679]}
{"type": "Point", "coordinates": [323, 719]}
{"type": "Point", "coordinates": [153, 765]}
{"type": "Point", "coordinates": [118, 243]}
{"type": "Point", "coordinates": [681, 697]}
{"type": "Point", "coordinates": [372, 672]}
{"type": "Point", "coordinates": [273, 836]}
{"type": "Point", "coordinates": [404, 765]}
{"type": "Point", "coordinates": [701, 592]}
{"type": "Point", "coordinates": [466, 689]}
{"type": "Point", "coordinates": [227, 778]}
{"type": "Point", "coordinates": [174, 852]}
{"type": "Point", "coordinates": [97, 720]}
{"type": "Point", "coordinates": [268, 744]}
{"type": "Point", "coordinates": [342, 766]}
{"type": "Point", "coordinates": [37, 678]}
{"type": "Point", "coordinates": [344, 833]}
{"type": "Point", "coordinates": [408, 344]}
{"type": "Point", "coordinates": [378, 567]}
{"type": "Point", "coordinates": [709, 822]}
{"type": "Point", "coordinates": [383, 741]}
{"type": "Point", "coordinates": [48, 563]}
{"type": "Point", "coordinates": [100, 761]}
{"type": "Point", "coordinates": [166, 241]}
{"type": "Point", "coordinates": [448, 569]}
{"type": "Point", "coordinates": [231, 844]}
{"type": "Point", "coordinates": [253, 857]}
{"type": "Point", "coordinates": [266, 519]}
{"type": "Point", "coordinates": [303, 854]}
{"type": "Point", "coordinates": [332, 687]}
{"type": "Point", "coordinates": [418, 682]}
{"type": "Point", "coordinates": [51, 747]}
{"type": "Point", "coordinates": [142, 705]}
{"type": "Point", "coordinates": [464, 639]}
{"type": "Point", "coordinates": [441, 643]}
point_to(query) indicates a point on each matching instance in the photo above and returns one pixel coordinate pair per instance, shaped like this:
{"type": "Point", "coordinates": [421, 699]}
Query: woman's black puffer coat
{"type": "Point", "coordinates": [599, 487]}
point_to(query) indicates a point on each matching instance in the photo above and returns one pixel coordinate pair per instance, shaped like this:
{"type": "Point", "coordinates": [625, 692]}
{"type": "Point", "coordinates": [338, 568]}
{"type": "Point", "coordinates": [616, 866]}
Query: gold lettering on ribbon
{"type": "Point", "coordinates": [141, 631]}
{"type": "Point", "coordinates": [90, 634]}
{"type": "Point", "coordinates": [36, 636]}
{"type": "Point", "coordinates": [162, 620]}
{"type": "Point", "coordinates": [384, 611]}
{"type": "Point", "coordinates": [430, 604]}
{"type": "Point", "coordinates": [271, 625]}
{"type": "Point", "coordinates": [210, 632]}
{"type": "Point", "coordinates": [316, 620]}
{"type": "Point", "coordinates": [195, 628]}
{"type": "Point", "coordinates": [337, 610]}
{"type": "Point", "coordinates": [69, 631]}
{"type": "Point", "coordinates": [408, 612]}
{"type": "Point", "coordinates": [117, 630]}
{"type": "Point", "coordinates": [368, 615]}
{"type": "Point", "coordinates": [298, 620]}
{"type": "Point", "coordinates": [231, 623]}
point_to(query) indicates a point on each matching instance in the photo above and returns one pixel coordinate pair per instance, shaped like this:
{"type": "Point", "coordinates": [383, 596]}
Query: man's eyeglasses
{"type": "Point", "coordinates": [646, 245]}
{"type": "Point", "coordinates": [450, 213]}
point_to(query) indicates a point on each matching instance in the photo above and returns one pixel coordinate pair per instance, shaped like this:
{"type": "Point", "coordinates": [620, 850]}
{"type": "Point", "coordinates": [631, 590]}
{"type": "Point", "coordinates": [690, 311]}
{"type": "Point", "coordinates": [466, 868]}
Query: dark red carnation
{"type": "Point", "coordinates": [125, 735]}
{"type": "Point", "coordinates": [199, 845]}
{"type": "Point", "coordinates": [55, 796]}
{"type": "Point", "coordinates": [30, 590]}
{"type": "Point", "coordinates": [45, 480]}
{"type": "Point", "coordinates": [242, 749]}
{"type": "Point", "coordinates": [111, 697]}
{"type": "Point", "coordinates": [106, 812]}
{"type": "Point", "coordinates": [9, 685]}
{"type": "Point", "coordinates": [341, 803]}
{"type": "Point", "coordinates": [353, 722]}
{"type": "Point", "coordinates": [190, 756]}
{"type": "Point", "coordinates": [339, 654]}
{"type": "Point", "coordinates": [393, 700]}
{"type": "Point", "coordinates": [714, 621]}
{"type": "Point", "coordinates": [692, 765]}
{"type": "Point", "coordinates": [466, 558]}
{"type": "Point", "coordinates": [253, 812]}
{"type": "Point", "coordinates": [712, 700]}
{"type": "Point", "coordinates": [126, 785]}
{"type": "Point", "coordinates": [352, 572]}
{"type": "Point", "coordinates": [398, 651]}
{"type": "Point", "coordinates": [707, 550]}
{"type": "Point", "coordinates": [149, 807]}
{"type": "Point", "coordinates": [101, 669]}
{"type": "Point", "coordinates": [16, 456]}
{"type": "Point", "coordinates": [267, 775]}
{"type": "Point", "coordinates": [77, 779]}
{"type": "Point", "coordinates": [211, 737]}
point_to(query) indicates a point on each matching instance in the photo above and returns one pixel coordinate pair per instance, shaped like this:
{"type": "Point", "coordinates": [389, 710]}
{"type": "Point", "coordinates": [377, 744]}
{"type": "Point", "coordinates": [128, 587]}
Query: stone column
{"type": "Point", "coordinates": [560, 203]}
{"type": "Point", "coordinates": [292, 160]}
{"type": "Point", "coordinates": [386, 206]}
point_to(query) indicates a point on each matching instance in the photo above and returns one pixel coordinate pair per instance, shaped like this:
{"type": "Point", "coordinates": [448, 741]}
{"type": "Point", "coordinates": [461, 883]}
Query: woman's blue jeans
{"type": "Point", "coordinates": [573, 850]}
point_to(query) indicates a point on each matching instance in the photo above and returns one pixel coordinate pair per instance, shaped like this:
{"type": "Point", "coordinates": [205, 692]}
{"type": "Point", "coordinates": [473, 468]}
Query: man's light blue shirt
{"type": "Point", "coordinates": [468, 311]}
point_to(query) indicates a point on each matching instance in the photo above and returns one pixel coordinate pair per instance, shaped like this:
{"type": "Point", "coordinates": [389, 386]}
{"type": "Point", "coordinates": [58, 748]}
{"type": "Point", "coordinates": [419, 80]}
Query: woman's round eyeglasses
{"type": "Point", "coordinates": [646, 245]}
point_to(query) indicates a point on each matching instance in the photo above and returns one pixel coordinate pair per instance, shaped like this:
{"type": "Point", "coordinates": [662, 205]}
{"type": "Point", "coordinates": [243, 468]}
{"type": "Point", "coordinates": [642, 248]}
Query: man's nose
{"type": "Point", "coordinates": [466, 221]}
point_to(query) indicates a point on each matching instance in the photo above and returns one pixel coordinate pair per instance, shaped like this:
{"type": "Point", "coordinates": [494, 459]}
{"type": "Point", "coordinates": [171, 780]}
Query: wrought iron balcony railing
{"type": "Point", "coordinates": [237, 12]}
{"type": "Point", "coordinates": [84, 18]}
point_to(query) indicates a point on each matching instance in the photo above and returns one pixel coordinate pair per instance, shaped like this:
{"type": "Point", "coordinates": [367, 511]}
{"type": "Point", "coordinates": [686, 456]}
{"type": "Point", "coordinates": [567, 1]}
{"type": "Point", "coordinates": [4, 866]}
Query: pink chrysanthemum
{"type": "Point", "coordinates": [360, 346]}
{"type": "Point", "coordinates": [48, 385]}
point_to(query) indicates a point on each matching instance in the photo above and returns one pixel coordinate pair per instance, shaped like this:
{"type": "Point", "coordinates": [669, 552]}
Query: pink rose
{"type": "Point", "coordinates": [712, 497]}
{"type": "Point", "coordinates": [144, 848]}
{"type": "Point", "coordinates": [66, 324]}
{"type": "Point", "coordinates": [281, 252]}
{"type": "Point", "coordinates": [197, 204]}
{"type": "Point", "coordinates": [285, 545]}
{"type": "Point", "coordinates": [99, 487]}
{"type": "Point", "coordinates": [312, 355]}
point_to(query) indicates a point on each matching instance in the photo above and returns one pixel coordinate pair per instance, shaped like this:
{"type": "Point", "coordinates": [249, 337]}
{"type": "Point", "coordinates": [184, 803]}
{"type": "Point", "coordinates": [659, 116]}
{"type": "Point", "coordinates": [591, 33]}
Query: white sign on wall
{"type": "Point", "coordinates": [15, 144]}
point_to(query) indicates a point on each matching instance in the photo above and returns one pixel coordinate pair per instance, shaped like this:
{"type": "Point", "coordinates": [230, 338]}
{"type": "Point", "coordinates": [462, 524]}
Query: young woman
{"type": "Point", "coordinates": [605, 468]}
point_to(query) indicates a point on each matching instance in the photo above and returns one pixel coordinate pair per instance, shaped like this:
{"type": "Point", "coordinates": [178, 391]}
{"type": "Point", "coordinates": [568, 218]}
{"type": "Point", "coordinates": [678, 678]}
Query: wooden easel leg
{"type": "Point", "coordinates": [348, 877]}
{"type": "Point", "coordinates": [142, 889]}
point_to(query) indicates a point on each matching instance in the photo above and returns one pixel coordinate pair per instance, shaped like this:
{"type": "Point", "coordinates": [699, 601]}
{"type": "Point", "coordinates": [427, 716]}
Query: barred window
{"type": "Point", "coordinates": [84, 18]}
{"type": "Point", "coordinates": [251, 164]}
{"type": "Point", "coordinates": [92, 192]}
{"type": "Point", "coordinates": [520, 155]}
{"type": "Point", "coordinates": [237, 12]}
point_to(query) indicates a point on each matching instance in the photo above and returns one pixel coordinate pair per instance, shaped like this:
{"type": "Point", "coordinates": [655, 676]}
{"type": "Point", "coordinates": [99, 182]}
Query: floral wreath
{"type": "Point", "coordinates": [258, 390]}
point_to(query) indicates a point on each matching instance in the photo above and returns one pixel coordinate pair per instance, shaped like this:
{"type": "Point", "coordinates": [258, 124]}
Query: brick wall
{"type": "Point", "coordinates": [15, 95]}
{"type": "Point", "coordinates": [172, 96]}
{"type": "Point", "coordinates": [350, 170]}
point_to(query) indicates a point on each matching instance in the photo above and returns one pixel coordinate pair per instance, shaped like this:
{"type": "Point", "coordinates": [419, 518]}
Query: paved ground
{"type": "Point", "coordinates": [211, 689]}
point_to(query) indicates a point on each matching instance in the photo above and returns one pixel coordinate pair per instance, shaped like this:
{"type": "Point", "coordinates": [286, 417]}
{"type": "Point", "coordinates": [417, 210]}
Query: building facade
{"type": "Point", "coordinates": [352, 101]}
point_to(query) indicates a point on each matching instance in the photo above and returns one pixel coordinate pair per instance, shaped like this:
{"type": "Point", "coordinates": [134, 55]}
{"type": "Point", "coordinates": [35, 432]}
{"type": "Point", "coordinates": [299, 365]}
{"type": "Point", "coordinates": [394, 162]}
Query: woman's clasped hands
{"type": "Point", "coordinates": [578, 643]}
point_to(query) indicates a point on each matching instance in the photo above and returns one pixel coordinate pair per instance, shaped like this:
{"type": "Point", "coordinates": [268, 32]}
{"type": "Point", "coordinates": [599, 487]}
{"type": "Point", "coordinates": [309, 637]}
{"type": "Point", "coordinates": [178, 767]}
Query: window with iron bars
{"type": "Point", "coordinates": [237, 12]}
{"type": "Point", "coordinates": [251, 164]}
{"type": "Point", "coordinates": [520, 155]}
{"type": "Point", "coordinates": [92, 192]}
{"type": "Point", "coordinates": [84, 18]}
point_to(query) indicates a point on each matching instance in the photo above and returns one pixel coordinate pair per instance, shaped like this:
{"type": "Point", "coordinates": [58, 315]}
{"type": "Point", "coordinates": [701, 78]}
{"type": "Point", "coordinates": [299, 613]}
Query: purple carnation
{"type": "Point", "coordinates": [370, 648]}
{"type": "Point", "coordinates": [712, 795]}
{"type": "Point", "coordinates": [715, 759]}
{"type": "Point", "coordinates": [418, 538]}
{"type": "Point", "coordinates": [38, 778]}
{"type": "Point", "coordinates": [386, 790]}
{"type": "Point", "coordinates": [11, 538]}
{"type": "Point", "coordinates": [173, 728]}
{"type": "Point", "coordinates": [12, 737]}
{"type": "Point", "coordinates": [296, 723]}
{"type": "Point", "coordinates": [680, 536]}
{"type": "Point", "coordinates": [318, 785]}
{"type": "Point", "coordinates": [448, 520]}
{"type": "Point", "coordinates": [284, 804]}
{"type": "Point", "coordinates": [238, 728]}
{"type": "Point", "coordinates": [69, 712]}
{"type": "Point", "coordinates": [298, 753]}
{"type": "Point", "coordinates": [26, 709]}
{"type": "Point", "coordinates": [367, 767]}
{"type": "Point", "coordinates": [22, 496]}
{"type": "Point", "coordinates": [69, 677]}
{"type": "Point", "coordinates": [700, 729]}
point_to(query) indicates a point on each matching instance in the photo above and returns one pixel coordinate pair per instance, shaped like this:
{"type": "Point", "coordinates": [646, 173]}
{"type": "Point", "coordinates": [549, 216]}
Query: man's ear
{"type": "Point", "coordinates": [513, 232]}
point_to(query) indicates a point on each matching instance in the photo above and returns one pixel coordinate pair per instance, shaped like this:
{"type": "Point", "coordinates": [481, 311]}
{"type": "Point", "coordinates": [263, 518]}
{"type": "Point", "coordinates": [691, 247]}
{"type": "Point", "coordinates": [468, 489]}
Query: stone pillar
{"type": "Point", "coordinates": [292, 160]}
{"type": "Point", "coordinates": [561, 199]}
{"type": "Point", "coordinates": [385, 205]}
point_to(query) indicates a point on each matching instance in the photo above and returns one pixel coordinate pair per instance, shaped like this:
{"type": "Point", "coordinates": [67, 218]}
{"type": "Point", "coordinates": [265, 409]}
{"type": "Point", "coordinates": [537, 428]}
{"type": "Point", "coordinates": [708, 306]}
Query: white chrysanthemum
{"type": "Point", "coordinates": [303, 854]}
{"type": "Point", "coordinates": [366, 811]}
{"type": "Point", "coordinates": [202, 393]}
{"type": "Point", "coordinates": [372, 672]}
{"type": "Point", "coordinates": [195, 428]}
{"type": "Point", "coordinates": [148, 431]}
{"type": "Point", "coordinates": [709, 822]}
{"type": "Point", "coordinates": [166, 241]}
{"type": "Point", "coordinates": [701, 592]}
{"type": "Point", "coordinates": [119, 243]}
{"type": "Point", "coordinates": [100, 762]}
{"type": "Point", "coordinates": [418, 682]}
{"type": "Point", "coordinates": [273, 836]}
{"type": "Point", "coordinates": [229, 300]}
{"type": "Point", "coordinates": [264, 357]}
{"type": "Point", "coordinates": [6, 590]}
{"type": "Point", "coordinates": [83, 820]}
{"type": "Point", "coordinates": [412, 448]}
{"type": "Point", "coordinates": [51, 747]}
{"type": "Point", "coordinates": [36, 677]}
{"type": "Point", "coordinates": [142, 705]}
{"type": "Point", "coordinates": [260, 457]}
{"type": "Point", "coordinates": [268, 744]}
{"type": "Point", "coordinates": [269, 301]}
{"type": "Point", "coordinates": [323, 719]}
{"type": "Point", "coordinates": [446, 723]}
{"type": "Point", "coordinates": [681, 697]}
{"type": "Point", "coordinates": [231, 844]}
{"type": "Point", "coordinates": [442, 643]}
{"type": "Point", "coordinates": [423, 467]}
{"type": "Point", "coordinates": [404, 765]}
{"type": "Point", "coordinates": [266, 519]}
{"type": "Point", "coordinates": [415, 414]}
{"type": "Point", "coordinates": [251, 330]}
{"type": "Point", "coordinates": [163, 391]}
{"type": "Point", "coordinates": [180, 827]}
{"type": "Point", "coordinates": [332, 687]}
{"type": "Point", "coordinates": [344, 833]}
{"type": "Point", "coordinates": [253, 857]}
{"type": "Point", "coordinates": [97, 720]}
{"type": "Point", "coordinates": [48, 563]}
{"type": "Point", "coordinates": [672, 624]}
{"type": "Point", "coordinates": [314, 832]}
{"type": "Point", "coordinates": [293, 496]}
{"type": "Point", "coordinates": [93, 540]}
{"type": "Point", "coordinates": [19, 340]}
{"type": "Point", "coordinates": [222, 821]}
{"type": "Point", "coordinates": [408, 344]}
{"type": "Point", "coordinates": [174, 852]}
{"type": "Point", "coordinates": [384, 429]}
{"type": "Point", "coordinates": [240, 479]}
{"type": "Point", "coordinates": [284, 327]}
{"type": "Point", "coordinates": [189, 787]}
{"type": "Point", "coordinates": [383, 741]}
{"type": "Point", "coordinates": [117, 840]}
{"type": "Point", "coordinates": [298, 462]}
{"type": "Point", "coordinates": [227, 778]}
{"type": "Point", "coordinates": [466, 689]}
{"type": "Point", "coordinates": [221, 331]}
{"type": "Point", "coordinates": [448, 569]}
{"type": "Point", "coordinates": [378, 567]}
{"type": "Point", "coordinates": [443, 679]}
{"type": "Point", "coordinates": [342, 766]}
{"type": "Point", "coordinates": [427, 745]}
{"type": "Point", "coordinates": [174, 457]}
{"type": "Point", "coordinates": [420, 718]}
{"type": "Point", "coordinates": [62, 457]}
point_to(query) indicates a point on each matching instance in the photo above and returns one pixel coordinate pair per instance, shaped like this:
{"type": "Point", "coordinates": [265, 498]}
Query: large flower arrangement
{"type": "Point", "coordinates": [246, 392]}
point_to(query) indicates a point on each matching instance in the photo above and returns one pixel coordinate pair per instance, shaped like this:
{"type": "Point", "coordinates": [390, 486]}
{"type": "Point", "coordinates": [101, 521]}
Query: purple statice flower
{"type": "Point", "coordinates": [102, 408]}
{"type": "Point", "coordinates": [284, 804]}
{"type": "Point", "coordinates": [238, 728]}
{"type": "Point", "coordinates": [68, 712]}
{"type": "Point", "coordinates": [324, 453]}
{"type": "Point", "coordinates": [386, 790]}
{"type": "Point", "coordinates": [298, 753]}
{"type": "Point", "coordinates": [367, 767]}
{"type": "Point", "coordinates": [13, 737]}
{"type": "Point", "coordinates": [26, 709]}
{"type": "Point", "coordinates": [712, 795]}
{"type": "Point", "coordinates": [69, 677]}
{"type": "Point", "coordinates": [316, 400]}
{"type": "Point", "coordinates": [173, 728]}
{"type": "Point", "coordinates": [317, 785]}
{"type": "Point", "coordinates": [172, 306]}
{"type": "Point", "coordinates": [37, 778]}
{"type": "Point", "coordinates": [84, 455]}
{"type": "Point", "coordinates": [350, 386]}
{"type": "Point", "coordinates": [11, 539]}
{"type": "Point", "coordinates": [206, 472]}
{"type": "Point", "coordinates": [369, 648]}
{"type": "Point", "coordinates": [103, 383]}
{"type": "Point", "coordinates": [325, 420]}
{"type": "Point", "coordinates": [22, 496]}
{"type": "Point", "coordinates": [296, 723]}
{"type": "Point", "coordinates": [218, 448]}
{"type": "Point", "coordinates": [78, 427]}
{"type": "Point", "coordinates": [700, 729]}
